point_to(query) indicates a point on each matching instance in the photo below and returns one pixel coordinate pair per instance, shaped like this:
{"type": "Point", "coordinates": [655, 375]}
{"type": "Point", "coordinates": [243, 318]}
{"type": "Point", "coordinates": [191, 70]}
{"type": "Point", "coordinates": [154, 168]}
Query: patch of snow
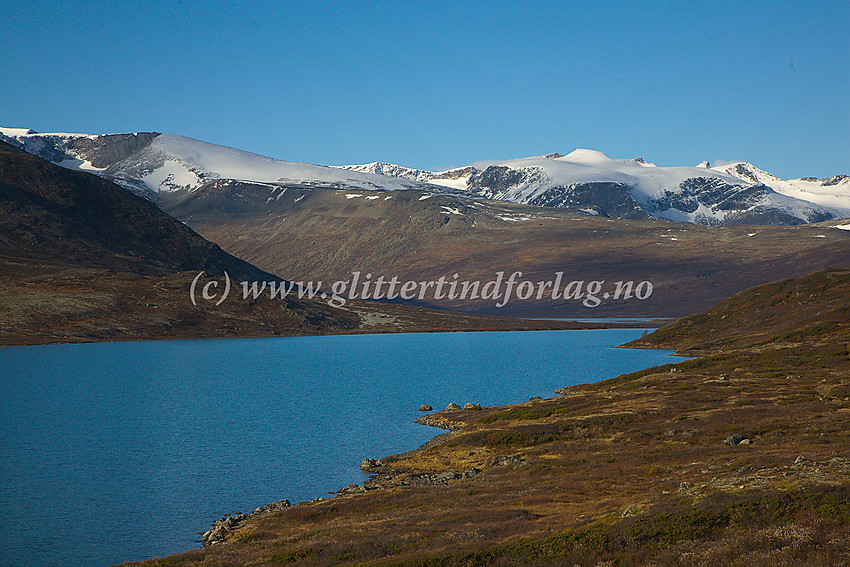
{"type": "Point", "coordinates": [451, 211]}
{"type": "Point", "coordinates": [352, 195]}
{"type": "Point", "coordinates": [428, 196]}
{"type": "Point", "coordinates": [514, 218]}
{"type": "Point", "coordinates": [459, 183]}
{"type": "Point", "coordinates": [172, 175]}
{"type": "Point", "coordinates": [80, 165]}
{"type": "Point", "coordinates": [842, 226]}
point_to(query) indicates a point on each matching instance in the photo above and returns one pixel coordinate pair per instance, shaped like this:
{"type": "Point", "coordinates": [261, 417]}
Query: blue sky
{"type": "Point", "coordinates": [436, 85]}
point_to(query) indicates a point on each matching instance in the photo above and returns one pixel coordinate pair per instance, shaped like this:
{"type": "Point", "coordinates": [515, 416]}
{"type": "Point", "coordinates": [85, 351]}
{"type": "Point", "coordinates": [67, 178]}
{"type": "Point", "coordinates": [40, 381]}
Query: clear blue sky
{"type": "Point", "coordinates": [434, 85]}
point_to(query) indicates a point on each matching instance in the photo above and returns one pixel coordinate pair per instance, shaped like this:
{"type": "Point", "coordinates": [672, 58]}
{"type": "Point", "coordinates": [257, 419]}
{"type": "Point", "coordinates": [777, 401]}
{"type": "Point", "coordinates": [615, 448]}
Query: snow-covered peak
{"type": "Point", "coordinates": [13, 132]}
{"type": "Point", "coordinates": [581, 155]}
{"type": "Point", "coordinates": [746, 172]}
{"type": "Point", "coordinates": [150, 162]}
{"type": "Point", "coordinates": [589, 166]}
{"type": "Point", "coordinates": [825, 192]}
{"type": "Point", "coordinates": [704, 164]}
{"type": "Point", "coordinates": [154, 162]}
{"type": "Point", "coordinates": [383, 168]}
{"type": "Point", "coordinates": [30, 133]}
{"type": "Point", "coordinates": [186, 163]}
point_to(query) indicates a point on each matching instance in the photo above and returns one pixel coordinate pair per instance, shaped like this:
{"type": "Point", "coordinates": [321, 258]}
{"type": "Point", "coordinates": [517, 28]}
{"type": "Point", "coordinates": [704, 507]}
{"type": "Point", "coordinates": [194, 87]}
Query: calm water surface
{"type": "Point", "coordinates": [124, 451]}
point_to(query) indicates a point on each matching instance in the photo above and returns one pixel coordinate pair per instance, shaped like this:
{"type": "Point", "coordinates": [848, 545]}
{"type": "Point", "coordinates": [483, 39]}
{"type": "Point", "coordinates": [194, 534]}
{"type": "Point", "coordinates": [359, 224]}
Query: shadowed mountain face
{"type": "Point", "coordinates": [315, 234]}
{"type": "Point", "coordinates": [81, 259]}
{"type": "Point", "coordinates": [67, 218]}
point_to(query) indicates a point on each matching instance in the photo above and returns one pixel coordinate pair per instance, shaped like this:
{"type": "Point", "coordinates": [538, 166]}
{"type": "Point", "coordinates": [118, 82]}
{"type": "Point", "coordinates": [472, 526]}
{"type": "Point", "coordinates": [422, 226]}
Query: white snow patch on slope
{"type": "Point", "coordinates": [79, 164]}
{"type": "Point", "coordinates": [459, 183]}
{"type": "Point", "coordinates": [513, 218]}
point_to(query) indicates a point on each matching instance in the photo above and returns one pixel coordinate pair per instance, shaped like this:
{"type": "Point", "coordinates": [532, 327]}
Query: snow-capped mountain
{"type": "Point", "coordinates": [737, 193]}
{"type": "Point", "coordinates": [391, 169]}
{"type": "Point", "coordinates": [151, 164]}
{"type": "Point", "coordinates": [832, 192]}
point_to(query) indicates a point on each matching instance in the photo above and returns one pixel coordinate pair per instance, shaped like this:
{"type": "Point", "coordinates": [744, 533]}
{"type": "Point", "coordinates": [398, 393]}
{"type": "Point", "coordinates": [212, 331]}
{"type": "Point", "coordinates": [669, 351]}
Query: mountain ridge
{"type": "Point", "coordinates": [153, 163]}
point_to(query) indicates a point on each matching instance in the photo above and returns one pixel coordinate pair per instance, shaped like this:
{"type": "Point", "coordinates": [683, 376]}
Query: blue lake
{"type": "Point", "coordinates": [113, 452]}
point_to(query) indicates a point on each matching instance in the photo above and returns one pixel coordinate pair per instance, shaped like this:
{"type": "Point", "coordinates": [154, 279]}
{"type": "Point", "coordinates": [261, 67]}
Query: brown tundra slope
{"type": "Point", "coordinates": [736, 457]}
{"type": "Point", "coordinates": [326, 234]}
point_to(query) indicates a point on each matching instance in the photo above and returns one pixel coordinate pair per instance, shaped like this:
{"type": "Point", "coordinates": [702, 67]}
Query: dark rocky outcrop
{"type": "Point", "coordinates": [608, 199]}
{"type": "Point", "coordinates": [496, 179]}
{"type": "Point", "coordinates": [221, 528]}
{"type": "Point", "coordinates": [395, 478]}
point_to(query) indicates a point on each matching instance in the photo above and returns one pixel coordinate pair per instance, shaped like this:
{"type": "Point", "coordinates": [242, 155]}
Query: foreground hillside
{"type": "Point", "coordinates": [83, 260]}
{"type": "Point", "coordinates": [737, 457]}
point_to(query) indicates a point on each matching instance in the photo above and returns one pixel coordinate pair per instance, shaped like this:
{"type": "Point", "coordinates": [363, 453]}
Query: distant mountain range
{"type": "Point", "coordinates": [586, 181]}
{"type": "Point", "coordinates": [736, 193]}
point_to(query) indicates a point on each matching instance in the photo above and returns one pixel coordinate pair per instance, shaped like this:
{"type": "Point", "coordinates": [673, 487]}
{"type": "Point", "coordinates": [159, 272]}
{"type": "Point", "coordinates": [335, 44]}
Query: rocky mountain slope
{"type": "Point", "coordinates": [152, 164]}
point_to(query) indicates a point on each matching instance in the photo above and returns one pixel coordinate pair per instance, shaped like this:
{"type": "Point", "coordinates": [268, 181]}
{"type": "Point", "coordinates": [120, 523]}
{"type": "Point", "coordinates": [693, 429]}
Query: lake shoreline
{"type": "Point", "coordinates": [384, 475]}
{"type": "Point", "coordinates": [250, 388]}
{"type": "Point", "coordinates": [484, 326]}
{"type": "Point", "coordinates": [736, 457]}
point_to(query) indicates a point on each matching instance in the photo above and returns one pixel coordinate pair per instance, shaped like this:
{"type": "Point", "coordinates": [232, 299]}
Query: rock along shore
{"type": "Point", "coordinates": [384, 476]}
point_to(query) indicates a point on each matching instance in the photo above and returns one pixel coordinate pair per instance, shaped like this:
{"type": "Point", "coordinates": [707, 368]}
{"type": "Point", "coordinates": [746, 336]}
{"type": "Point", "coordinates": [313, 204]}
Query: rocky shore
{"type": "Point", "coordinates": [384, 476]}
{"type": "Point", "coordinates": [228, 524]}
